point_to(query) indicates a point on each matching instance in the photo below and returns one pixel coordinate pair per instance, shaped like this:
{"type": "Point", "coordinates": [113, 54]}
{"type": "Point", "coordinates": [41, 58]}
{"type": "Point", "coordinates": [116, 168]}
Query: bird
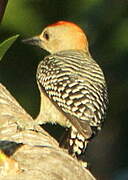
{"type": "Point", "coordinates": [72, 85]}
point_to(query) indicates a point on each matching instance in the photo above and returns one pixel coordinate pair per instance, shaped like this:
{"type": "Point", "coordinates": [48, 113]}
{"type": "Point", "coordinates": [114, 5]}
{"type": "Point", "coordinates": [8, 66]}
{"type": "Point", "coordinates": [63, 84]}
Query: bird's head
{"type": "Point", "coordinates": [60, 36]}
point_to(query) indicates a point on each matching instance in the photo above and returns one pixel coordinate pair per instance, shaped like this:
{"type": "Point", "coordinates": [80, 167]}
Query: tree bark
{"type": "Point", "coordinates": [29, 152]}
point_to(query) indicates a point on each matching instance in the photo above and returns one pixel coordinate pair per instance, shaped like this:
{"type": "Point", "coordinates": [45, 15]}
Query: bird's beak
{"type": "Point", "coordinates": [33, 41]}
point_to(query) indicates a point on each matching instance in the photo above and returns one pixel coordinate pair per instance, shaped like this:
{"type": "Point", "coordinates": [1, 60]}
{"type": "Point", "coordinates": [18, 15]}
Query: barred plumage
{"type": "Point", "coordinates": [76, 85]}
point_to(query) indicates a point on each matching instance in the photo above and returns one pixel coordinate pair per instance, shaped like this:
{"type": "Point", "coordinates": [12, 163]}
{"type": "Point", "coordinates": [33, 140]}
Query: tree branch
{"type": "Point", "coordinates": [29, 152]}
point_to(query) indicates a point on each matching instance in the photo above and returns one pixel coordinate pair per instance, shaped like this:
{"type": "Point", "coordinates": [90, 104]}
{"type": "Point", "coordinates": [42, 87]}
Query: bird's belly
{"type": "Point", "coordinates": [49, 113]}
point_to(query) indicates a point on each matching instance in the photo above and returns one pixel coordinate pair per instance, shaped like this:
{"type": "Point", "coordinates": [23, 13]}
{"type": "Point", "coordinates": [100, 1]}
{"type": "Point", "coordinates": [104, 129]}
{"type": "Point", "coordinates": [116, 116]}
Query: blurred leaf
{"type": "Point", "coordinates": [4, 46]}
{"type": "Point", "coordinates": [24, 13]}
{"type": "Point", "coordinates": [2, 8]}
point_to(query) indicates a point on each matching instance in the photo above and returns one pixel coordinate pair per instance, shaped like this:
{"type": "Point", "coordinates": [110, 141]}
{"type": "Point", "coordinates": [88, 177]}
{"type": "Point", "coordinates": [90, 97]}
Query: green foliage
{"type": "Point", "coordinates": [4, 46]}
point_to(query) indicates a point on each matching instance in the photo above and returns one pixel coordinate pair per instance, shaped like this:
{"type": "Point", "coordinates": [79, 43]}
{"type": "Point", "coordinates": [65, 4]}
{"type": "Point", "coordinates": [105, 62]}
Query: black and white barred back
{"type": "Point", "coordinates": [75, 83]}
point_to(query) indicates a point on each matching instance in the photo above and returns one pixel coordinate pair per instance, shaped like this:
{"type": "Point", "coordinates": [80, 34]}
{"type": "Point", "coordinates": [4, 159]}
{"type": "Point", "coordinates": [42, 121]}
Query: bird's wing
{"type": "Point", "coordinates": [72, 91]}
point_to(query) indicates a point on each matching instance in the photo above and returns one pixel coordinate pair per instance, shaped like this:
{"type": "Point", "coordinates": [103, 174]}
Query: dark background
{"type": "Point", "coordinates": [106, 26]}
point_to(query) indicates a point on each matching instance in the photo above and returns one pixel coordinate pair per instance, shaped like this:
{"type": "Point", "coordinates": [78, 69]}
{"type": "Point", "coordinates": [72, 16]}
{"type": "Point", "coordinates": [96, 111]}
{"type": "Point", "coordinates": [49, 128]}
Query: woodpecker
{"type": "Point", "coordinates": [72, 85]}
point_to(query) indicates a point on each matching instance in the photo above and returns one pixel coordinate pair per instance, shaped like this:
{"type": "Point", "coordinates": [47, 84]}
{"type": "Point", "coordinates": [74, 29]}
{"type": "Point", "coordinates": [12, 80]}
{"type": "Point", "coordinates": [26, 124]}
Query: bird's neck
{"type": "Point", "coordinates": [77, 52]}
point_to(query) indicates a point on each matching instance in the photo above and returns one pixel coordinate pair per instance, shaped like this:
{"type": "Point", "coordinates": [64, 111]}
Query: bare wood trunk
{"type": "Point", "coordinates": [29, 152]}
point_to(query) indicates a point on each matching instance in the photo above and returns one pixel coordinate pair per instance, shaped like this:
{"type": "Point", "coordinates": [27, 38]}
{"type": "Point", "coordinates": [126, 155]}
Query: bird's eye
{"type": "Point", "coordinates": [46, 35]}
